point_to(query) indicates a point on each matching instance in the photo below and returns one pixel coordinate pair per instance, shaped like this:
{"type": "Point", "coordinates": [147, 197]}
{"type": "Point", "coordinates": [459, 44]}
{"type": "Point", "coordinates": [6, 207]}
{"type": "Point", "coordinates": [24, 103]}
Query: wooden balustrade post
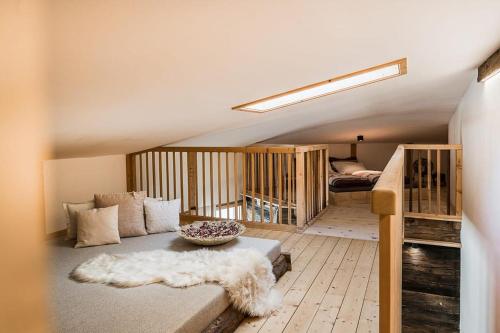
{"type": "Point", "coordinates": [300, 191]}
{"type": "Point", "coordinates": [327, 176]}
{"type": "Point", "coordinates": [130, 172]}
{"type": "Point", "coordinates": [192, 163]}
{"type": "Point", "coordinates": [387, 202]}
{"type": "Point", "coordinates": [458, 182]}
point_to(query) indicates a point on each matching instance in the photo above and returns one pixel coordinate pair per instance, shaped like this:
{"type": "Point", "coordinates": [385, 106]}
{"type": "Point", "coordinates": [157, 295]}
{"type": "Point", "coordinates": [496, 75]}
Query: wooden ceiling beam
{"type": "Point", "coordinates": [489, 68]}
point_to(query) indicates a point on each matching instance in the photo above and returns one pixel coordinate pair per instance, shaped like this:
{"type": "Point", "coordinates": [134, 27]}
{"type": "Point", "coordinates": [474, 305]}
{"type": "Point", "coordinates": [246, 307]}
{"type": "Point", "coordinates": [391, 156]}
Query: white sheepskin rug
{"type": "Point", "coordinates": [247, 275]}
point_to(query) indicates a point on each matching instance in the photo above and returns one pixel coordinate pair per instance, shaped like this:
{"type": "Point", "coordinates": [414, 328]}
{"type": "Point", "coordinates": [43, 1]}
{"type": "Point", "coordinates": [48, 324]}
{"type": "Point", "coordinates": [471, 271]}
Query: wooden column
{"type": "Point", "coordinates": [300, 192]}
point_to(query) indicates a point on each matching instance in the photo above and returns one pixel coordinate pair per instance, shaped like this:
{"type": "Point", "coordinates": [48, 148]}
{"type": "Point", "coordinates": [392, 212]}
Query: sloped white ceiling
{"type": "Point", "coordinates": [128, 75]}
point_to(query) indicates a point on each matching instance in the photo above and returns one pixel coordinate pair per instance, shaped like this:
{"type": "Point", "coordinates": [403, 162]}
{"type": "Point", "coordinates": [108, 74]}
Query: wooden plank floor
{"type": "Point", "coordinates": [350, 221]}
{"type": "Point", "coordinates": [333, 285]}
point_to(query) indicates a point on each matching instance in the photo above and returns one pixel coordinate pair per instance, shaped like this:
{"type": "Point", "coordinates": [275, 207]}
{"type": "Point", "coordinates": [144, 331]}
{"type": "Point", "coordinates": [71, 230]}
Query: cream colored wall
{"type": "Point", "coordinates": [373, 155]}
{"type": "Point", "coordinates": [76, 180]}
{"type": "Point", "coordinates": [476, 124]}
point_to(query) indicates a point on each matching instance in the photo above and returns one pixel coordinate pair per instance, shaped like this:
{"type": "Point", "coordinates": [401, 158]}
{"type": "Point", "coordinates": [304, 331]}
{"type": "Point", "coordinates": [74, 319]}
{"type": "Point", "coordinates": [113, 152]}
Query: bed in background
{"type": "Point", "coordinates": [350, 175]}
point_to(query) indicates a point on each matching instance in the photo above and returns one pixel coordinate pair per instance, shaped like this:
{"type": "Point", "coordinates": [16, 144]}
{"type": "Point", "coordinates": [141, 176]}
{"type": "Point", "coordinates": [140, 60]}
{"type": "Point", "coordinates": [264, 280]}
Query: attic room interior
{"type": "Point", "coordinates": [263, 166]}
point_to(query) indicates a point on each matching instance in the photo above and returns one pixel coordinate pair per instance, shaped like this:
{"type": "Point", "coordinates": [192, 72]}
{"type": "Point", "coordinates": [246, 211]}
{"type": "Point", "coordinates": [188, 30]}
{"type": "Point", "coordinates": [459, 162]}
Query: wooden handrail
{"type": "Point", "coordinates": [384, 193]}
{"type": "Point", "coordinates": [387, 202]}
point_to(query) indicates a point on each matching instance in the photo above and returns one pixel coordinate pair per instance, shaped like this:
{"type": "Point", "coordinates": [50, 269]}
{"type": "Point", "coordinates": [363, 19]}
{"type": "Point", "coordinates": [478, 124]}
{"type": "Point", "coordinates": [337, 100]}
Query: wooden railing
{"type": "Point", "coordinates": [433, 180]}
{"type": "Point", "coordinates": [280, 187]}
{"type": "Point", "coordinates": [393, 198]}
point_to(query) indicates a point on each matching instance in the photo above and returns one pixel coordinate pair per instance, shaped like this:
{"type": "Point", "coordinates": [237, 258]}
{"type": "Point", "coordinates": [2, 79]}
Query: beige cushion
{"type": "Point", "coordinates": [71, 209]}
{"type": "Point", "coordinates": [97, 226]}
{"type": "Point", "coordinates": [162, 216]}
{"type": "Point", "coordinates": [347, 168]}
{"type": "Point", "coordinates": [130, 211]}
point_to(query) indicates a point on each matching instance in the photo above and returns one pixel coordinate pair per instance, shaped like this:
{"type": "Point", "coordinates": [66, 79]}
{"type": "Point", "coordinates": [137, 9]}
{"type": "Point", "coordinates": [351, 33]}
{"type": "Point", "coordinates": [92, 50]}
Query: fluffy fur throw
{"type": "Point", "coordinates": [245, 274]}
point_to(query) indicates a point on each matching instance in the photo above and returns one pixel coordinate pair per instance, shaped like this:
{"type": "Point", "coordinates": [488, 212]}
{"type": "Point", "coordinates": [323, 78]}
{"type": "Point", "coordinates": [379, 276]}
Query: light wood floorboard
{"type": "Point", "coordinates": [333, 285]}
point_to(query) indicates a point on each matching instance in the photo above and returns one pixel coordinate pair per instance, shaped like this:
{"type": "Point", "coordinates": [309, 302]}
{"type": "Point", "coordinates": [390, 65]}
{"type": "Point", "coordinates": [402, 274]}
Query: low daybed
{"type": "Point", "coordinates": [85, 307]}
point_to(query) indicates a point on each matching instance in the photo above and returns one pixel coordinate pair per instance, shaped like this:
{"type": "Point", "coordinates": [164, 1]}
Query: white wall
{"type": "Point", "coordinates": [476, 125]}
{"type": "Point", "coordinates": [76, 180]}
{"type": "Point", "coordinates": [374, 156]}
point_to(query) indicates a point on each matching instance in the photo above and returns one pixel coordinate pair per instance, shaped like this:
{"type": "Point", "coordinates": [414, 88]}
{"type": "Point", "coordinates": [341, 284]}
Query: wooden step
{"type": "Point", "coordinates": [433, 242]}
{"type": "Point", "coordinates": [424, 312]}
{"type": "Point", "coordinates": [431, 269]}
{"type": "Point", "coordinates": [435, 217]}
{"type": "Point", "coordinates": [442, 232]}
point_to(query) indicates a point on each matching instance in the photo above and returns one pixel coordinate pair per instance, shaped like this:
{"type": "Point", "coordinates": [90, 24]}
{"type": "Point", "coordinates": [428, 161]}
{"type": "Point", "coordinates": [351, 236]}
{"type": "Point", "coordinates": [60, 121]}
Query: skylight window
{"type": "Point", "coordinates": [328, 87]}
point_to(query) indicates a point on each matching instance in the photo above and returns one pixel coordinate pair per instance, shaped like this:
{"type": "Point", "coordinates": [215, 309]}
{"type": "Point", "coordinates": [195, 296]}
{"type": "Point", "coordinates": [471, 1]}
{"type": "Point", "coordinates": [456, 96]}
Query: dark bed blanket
{"type": "Point", "coordinates": [349, 183]}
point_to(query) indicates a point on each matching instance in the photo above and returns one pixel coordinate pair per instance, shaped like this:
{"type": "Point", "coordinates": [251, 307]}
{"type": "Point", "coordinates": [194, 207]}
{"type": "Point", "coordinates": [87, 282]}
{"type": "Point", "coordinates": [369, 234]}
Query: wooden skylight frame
{"type": "Point", "coordinates": [259, 106]}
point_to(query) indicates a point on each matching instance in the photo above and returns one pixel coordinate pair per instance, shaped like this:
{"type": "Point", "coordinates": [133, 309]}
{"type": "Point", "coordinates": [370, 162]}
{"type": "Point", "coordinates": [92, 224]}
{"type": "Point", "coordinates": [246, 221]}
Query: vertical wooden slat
{"type": "Point", "coordinates": [300, 191]}
{"type": "Point", "coordinates": [261, 178]}
{"type": "Point", "coordinates": [280, 189]}
{"type": "Point", "coordinates": [130, 171]}
{"type": "Point", "coordinates": [410, 174]}
{"type": "Point", "coordinates": [244, 189]}
{"type": "Point", "coordinates": [174, 169]}
{"type": "Point", "coordinates": [448, 184]}
{"type": "Point", "coordinates": [429, 180]}
{"type": "Point", "coordinates": [212, 207]}
{"type": "Point", "coordinates": [308, 185]}
{"type": "Point", "coordinates": [227, 186]}
{"type": "Point", "coordinates": [167, 175]}
{"type": "Point", "coordinates": [147, 174]}
{"type": "Point", "coordinates": [252, 165]}
{"type": "Point", "coordinates": [438, 181]}
{"type": "Point", "coordinates": [160, 170]}
{"type": "Point", "coordinates": [203, 185]}
{"type": "Point", "coordinates": [294, 181]}
{"type": "Point", "coordinates": [321, 180]}
{"type": "Point", "coordinates": [154, 173]}
{"type": "Point", "coordinates": [196, 191]}
{"type": "Point", "coordinates": [235, 178]}
{"type": "Point", "coordinates": [327, 181]}
{"type": "Point", "coordinates": [192, 182]}
{"type": "Point", "coordinates": [141, 172]}
{"type": "Point", "coordinates": [153, 170]}
{"type": "Point", "coordinates": [419, 175]}
{"type": "Point", "coordinates": [219, 183]}
{"type": "Point", "coordinates": [181, 180]}
{"type": "Point", "coordinates": [458, 182]}
{"type": "Point", "coordinates": [270, 181]}
{"type": "Point", "coordinates": [289, 187]}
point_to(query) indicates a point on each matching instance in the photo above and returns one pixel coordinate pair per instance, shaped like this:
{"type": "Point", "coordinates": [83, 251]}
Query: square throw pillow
{"type": "Point", "coordinates": [71, 209]}
{"type": "Point", "coordinates": [130, 211]}
{"type": "Point", "coordinates": [97, 226]}
{"type": "Point", "coordinates": [162, 216]}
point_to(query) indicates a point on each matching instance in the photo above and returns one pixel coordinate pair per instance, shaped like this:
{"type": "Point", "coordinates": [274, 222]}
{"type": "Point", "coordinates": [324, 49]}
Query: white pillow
{"type": "Point", "coordinates": [348, 167]}
{"type": "Point", "coordinates": [98, 226]}
{"type": "Point", "coordinates": [162, 216]}
{"type": "Point", "coordinates": [71, 209]}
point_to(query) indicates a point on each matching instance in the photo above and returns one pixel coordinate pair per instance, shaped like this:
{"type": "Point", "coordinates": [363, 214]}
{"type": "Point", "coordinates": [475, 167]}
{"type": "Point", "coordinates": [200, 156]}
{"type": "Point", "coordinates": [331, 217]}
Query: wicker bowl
{"type": "Point", "coordinates": [210, 240]}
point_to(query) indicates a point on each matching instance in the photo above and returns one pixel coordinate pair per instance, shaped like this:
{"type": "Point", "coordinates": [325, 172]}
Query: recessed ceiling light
{"type": "Point", "coordinates": [324, 88]}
